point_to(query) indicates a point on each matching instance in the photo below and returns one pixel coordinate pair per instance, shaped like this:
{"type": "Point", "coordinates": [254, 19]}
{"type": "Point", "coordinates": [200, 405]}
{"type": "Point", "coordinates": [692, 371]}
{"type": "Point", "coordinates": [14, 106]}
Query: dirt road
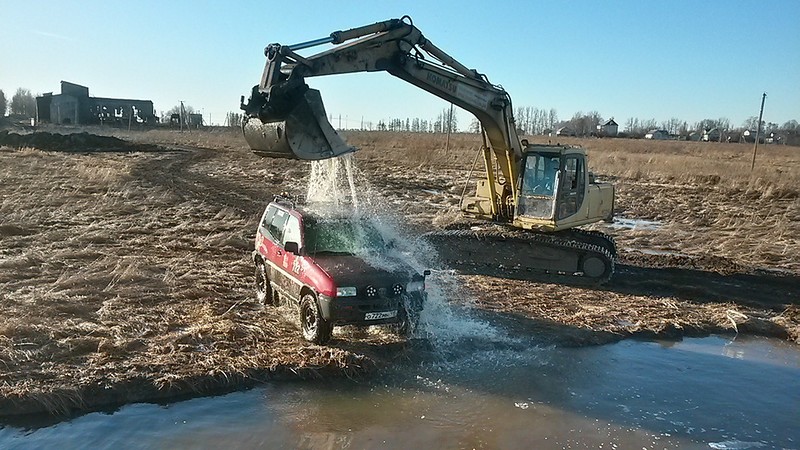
{"type": "Point", "coordinates": [125, 275]}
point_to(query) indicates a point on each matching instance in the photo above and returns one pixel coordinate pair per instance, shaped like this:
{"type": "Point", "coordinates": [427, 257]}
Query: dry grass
{"type": "Point", "coordinates": [126, 276]}
{"type": "Point", "coordinates": [119, 267]}
{"type": "Point", "coordinates": [704, 194]}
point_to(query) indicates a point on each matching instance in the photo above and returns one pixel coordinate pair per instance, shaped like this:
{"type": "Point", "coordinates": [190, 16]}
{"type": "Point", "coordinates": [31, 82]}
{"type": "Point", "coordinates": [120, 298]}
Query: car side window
{"type": "Point", "coordinates": [277, 223]}
{"type": "Point", "coordinates": [268, 215]}
{"type": "Point", "coordinates": [291, 233]}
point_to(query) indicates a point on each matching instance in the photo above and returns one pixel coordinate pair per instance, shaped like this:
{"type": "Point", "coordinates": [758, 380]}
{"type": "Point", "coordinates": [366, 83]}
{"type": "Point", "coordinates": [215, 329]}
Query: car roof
{"type": "Point", "coordinates": [314, 213]}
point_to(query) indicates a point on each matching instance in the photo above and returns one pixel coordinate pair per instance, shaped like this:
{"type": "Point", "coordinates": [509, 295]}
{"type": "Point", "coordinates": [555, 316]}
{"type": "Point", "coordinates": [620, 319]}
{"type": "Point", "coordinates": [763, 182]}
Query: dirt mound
{"type": "Point", "coordinates": [75, 142]}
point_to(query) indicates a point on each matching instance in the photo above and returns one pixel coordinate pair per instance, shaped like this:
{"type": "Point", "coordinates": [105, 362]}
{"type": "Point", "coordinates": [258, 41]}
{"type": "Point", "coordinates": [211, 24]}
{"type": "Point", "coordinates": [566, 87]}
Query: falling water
{"type": "Point", "coordinates": [337, 187]}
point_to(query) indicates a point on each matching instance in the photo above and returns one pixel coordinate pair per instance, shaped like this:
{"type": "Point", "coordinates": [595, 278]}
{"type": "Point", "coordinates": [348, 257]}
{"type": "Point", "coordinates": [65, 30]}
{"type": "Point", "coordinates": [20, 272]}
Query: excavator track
{"type": "Point", "coordinates": [570, 257]}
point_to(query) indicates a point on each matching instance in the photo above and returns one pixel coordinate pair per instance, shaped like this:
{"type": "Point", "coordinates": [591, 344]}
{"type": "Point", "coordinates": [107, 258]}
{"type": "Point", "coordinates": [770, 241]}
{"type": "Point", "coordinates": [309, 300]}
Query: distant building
{"type": "Point", "coordinates": [610, 128]}
{"type": "Point", "coordinates": [712, 135]}
{"type": "Point", "coordinates": [74, 106]}
{"type": "Point", "coordinates": [658, 135]}
{"type": "Point", "coordinates": [565, 131]}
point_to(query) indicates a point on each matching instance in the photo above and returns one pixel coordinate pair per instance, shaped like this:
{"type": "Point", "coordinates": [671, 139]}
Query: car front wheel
{"type": "Point", "coordinates": [315, 328]}
{"type": "Point", "coordinates": [407, 319]}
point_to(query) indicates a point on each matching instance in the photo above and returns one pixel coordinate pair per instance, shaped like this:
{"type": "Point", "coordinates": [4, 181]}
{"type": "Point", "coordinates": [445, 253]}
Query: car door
{"type": "Point", "coordinates": [291, 262]}
{"type": "Point", "coordinates": [275, 247]}
{"type": "Point", "coordinates": [262, 237]}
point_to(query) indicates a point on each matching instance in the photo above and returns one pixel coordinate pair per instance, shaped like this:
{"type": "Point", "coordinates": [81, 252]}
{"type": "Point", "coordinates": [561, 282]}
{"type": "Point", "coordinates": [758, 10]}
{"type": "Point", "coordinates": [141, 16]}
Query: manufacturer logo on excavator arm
{"type": "Point", "coordinates": [442, 82]}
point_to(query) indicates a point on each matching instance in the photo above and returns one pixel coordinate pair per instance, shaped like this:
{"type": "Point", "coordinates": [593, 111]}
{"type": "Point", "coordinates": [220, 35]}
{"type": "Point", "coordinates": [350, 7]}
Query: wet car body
{"type": "Point", "coordinates": [323, 265]}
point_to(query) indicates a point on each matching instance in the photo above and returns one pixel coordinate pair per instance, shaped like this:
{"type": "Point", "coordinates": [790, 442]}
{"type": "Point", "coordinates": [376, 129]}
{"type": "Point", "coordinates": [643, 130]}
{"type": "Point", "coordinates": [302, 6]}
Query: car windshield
{"type": "Point", "coordinates": [342, 237]}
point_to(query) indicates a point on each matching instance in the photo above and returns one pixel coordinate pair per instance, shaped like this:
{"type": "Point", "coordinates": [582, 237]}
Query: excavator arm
{"type": "Point", "coordinates": [286, 118]}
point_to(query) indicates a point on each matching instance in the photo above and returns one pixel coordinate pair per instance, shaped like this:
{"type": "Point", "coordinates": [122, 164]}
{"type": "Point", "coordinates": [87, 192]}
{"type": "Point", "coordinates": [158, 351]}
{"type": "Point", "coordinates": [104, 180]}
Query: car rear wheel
{"type": "Point", "coordinates": [315, 328]}
{"type": "Point", "coordinates": [264, 293]}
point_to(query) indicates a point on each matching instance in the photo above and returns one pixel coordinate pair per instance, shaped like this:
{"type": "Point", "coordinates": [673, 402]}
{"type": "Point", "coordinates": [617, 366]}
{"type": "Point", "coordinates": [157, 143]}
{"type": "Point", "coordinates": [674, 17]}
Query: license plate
{"type": "Point", "coordinates": [380, 315]}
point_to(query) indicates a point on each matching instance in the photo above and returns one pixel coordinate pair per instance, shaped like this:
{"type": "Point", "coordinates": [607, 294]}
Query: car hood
{"type": "Point", "coordinates": [352, 270]}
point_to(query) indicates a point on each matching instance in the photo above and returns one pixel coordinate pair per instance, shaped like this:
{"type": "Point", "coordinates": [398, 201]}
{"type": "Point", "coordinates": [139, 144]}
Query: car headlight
{"type": "Point", "coordinates": [415, 286]}
{"type": "Point", "coordinates": [347, 291]}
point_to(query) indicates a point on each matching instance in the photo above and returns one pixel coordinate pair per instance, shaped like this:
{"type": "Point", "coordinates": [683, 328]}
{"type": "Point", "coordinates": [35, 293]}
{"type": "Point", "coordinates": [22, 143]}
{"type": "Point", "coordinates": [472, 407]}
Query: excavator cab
{"type": "Point", "coordinates": [556, 191]}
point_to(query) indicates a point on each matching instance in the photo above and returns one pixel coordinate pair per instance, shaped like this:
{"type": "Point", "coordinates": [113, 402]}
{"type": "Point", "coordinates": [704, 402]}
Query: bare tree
{"type": "Point", "coordinates": [790, 125]}
{"type": "Point", "coordinates": [474, 126]}
{"type": "Point", "coordinates": [23, 103]}
{"type": "Point", "coordinates": [673, 125]}
{"type": "Point", "coordinates": [3, 103]}
{"type": "Point", "coordinates": [751, 123]}
{"type": "Point", "coordinates": [187, 109]}
{"type": "Point", "coordinates": [234, 119]}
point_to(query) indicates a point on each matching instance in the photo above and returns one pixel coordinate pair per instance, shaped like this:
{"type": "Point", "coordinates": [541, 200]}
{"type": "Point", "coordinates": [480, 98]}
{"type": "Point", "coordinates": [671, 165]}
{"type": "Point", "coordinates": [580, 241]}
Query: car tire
{"type": "Point", "coordinates": [408, 319]}
{"type": "Point", "coordinates": [315, 328]}
{"type": "Point", "coordinates": [264, 294]}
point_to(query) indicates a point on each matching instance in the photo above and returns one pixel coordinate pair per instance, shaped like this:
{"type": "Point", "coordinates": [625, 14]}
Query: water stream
{"type": "Point", "coordinates": [714, 392]}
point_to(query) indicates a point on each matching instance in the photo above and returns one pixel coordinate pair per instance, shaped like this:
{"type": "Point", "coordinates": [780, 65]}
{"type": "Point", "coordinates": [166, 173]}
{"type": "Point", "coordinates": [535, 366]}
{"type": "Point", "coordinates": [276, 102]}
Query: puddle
{"type": "Point", "coordinates": [653, 251]}
{"type": "Point", "coordinates": [635, 224]}
{"type": "Point", "coordinates": [698, 393]}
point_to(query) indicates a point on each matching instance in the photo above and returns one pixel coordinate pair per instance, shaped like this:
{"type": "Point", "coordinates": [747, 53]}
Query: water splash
{"type": "Point", "coordinates": [337, 188]}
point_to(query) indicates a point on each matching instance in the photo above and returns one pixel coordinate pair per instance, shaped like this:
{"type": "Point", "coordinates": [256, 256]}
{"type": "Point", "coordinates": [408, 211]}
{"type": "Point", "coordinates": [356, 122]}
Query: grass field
{"type": "Point", "coordinates": [125, 275]}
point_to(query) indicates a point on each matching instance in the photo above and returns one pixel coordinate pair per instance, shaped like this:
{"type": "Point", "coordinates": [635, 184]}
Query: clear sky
{"type": "Point", "coordinates": [628, 58]}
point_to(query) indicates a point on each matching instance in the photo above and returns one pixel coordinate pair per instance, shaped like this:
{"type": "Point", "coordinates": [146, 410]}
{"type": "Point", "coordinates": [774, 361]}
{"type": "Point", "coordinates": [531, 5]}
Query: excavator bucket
{"type": "Point", "coordinates": [304, 133]}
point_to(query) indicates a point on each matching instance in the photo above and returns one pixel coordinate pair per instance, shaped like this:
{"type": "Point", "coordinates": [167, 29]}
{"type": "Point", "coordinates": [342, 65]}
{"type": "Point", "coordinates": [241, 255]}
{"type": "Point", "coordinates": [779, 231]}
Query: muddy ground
{"type": "Point", "coordinates": [125, 272]}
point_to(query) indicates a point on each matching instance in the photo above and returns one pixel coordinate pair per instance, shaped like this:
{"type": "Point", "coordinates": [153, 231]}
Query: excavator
{"type": "Point", "coordinates": [531, 197]}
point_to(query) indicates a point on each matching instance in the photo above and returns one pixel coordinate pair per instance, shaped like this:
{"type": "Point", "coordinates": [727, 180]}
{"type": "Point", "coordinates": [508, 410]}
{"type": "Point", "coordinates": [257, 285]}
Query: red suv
{"type": "Point", "coordinates": [336, 268]}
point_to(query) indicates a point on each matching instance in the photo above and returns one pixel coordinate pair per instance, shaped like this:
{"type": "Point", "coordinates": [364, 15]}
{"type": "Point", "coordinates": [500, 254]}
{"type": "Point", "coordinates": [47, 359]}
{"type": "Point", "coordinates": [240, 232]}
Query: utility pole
{"type": "Point", "coordinates": [758, 131]}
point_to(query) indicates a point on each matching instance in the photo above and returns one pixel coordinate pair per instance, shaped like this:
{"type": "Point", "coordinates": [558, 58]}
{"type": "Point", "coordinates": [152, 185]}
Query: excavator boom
{"type": "Point", "coordinates": [286, 118]}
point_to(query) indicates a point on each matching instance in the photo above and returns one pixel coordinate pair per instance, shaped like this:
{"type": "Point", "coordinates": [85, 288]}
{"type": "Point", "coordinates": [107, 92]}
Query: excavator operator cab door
{"type": "Point", "coordinates": [539, 185]}
{"type": "Point", "coordinates": [573, 186]}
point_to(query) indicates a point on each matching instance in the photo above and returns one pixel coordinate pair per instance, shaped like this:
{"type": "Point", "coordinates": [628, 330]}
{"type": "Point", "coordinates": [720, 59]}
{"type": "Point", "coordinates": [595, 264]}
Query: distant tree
{"type": "Point", "coordinates": [3, 103]}
{"type": "Point", "coordinates": [23, 103]}
{"type": "Point", "coordinates": [475, 126]}
{"type": "Point", "coordinates": [649, 124]}
{"type": "Point", "coordinates": [585, 124]}
{"type": "Point", "coordinates": [188, 109]}
{"type": "Point", "coordinates": [791, 125]}
{"type": "Point", "coordinates": [552, 118]}
{"type": "Point", "coordinates": [233, 119]}
{"type": "Point", "coordinates": [632, 125]}
{"type": "Point", "coordinates": [673, 125]}
{"type": "Point", "coordinates": [770, 127]}
{"type": "Point", "coordinates": [446, 121]}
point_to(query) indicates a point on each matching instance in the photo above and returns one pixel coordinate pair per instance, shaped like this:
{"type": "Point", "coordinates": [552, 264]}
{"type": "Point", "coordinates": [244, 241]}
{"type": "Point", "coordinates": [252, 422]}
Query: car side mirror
{"type": "Point", "coordinates": [292, 247]}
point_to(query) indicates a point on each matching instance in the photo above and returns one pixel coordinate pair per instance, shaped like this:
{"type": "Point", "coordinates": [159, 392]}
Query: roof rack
{"type": "Point", "coordinates": [284, 199]}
